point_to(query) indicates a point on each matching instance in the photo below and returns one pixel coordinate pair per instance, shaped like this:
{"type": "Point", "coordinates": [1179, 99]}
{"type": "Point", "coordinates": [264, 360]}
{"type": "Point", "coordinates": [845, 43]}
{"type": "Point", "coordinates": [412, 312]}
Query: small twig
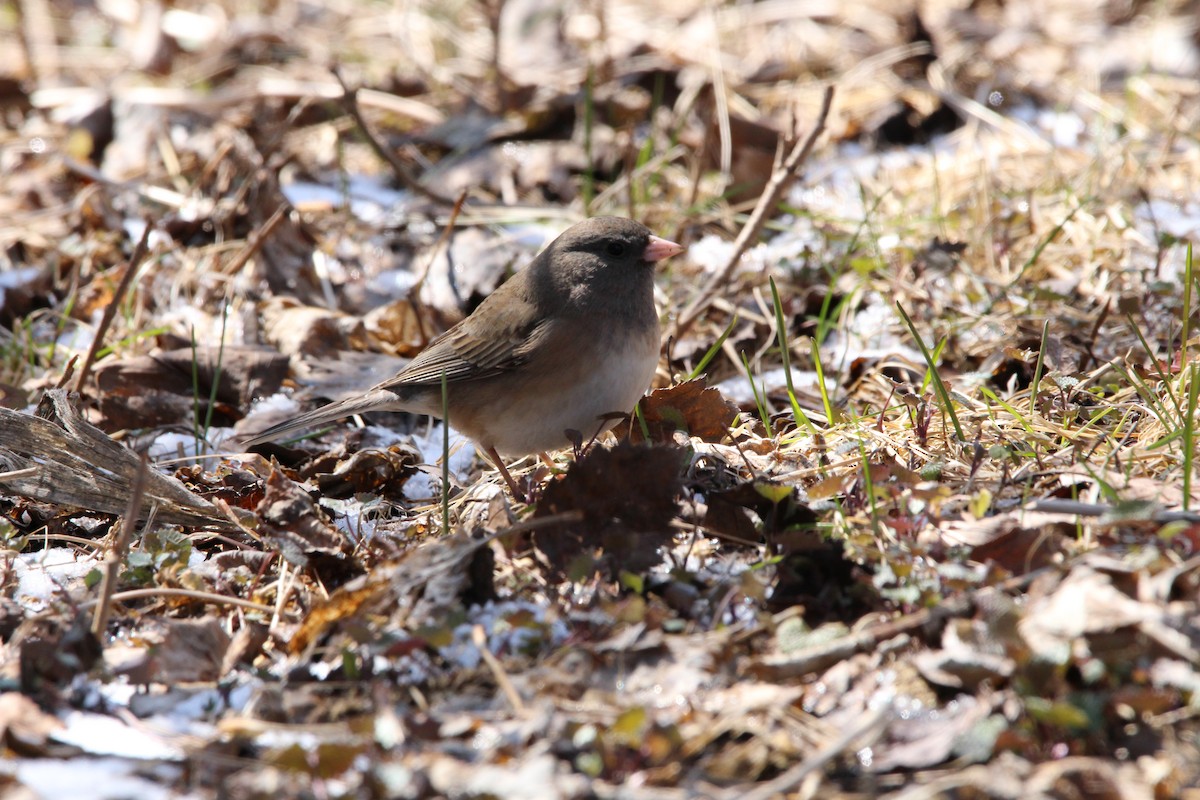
{"type": "Point", "coordinates": [255, 241]}
{"type": "Point", "coordinates": [1082, 509]}
{"type": "Point", "coordinates": [870, 724]}
{"type": "Point", "coordinates": [419, 283]}
{"type": "Point", "coordinates": [110, 311]}
{"type": "Point", "coordinates": [493, 9]}
{"type": "Point", "coordinates": [120, 544]}
{"type": "Point", "coordinates": [41, 45]}
{"type": "Point", "coordinates": [403, 174]}
{"type": "Point", "coordinates": [781, 179]}
{"type": "Point", "coordinates": [204, 597]}
{"type": "Point", "coordinates": [68, 371]}
{"type": "Point", "coordinates": [479, 637]}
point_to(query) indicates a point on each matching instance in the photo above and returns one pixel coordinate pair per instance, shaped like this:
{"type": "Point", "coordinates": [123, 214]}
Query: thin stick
{"type": "Point", "coordinates": [781, 179]}
{"type": "Point", "coordinates": [479, 638]}
{"type": "Point", "coordinates": [110, 311]}
{"type": "Point", "coordinates": [403, 174]}
{"type": "Point", "coordinates": [869, 725]}
{"type": "Point", "coordinates": [443, 241]}
{"type": "Point", "coordinates": [204, 597]}
{"type": "Point", "coordinates": [116, 553]}
{"type": "Point", "coordinates": [254, 241]}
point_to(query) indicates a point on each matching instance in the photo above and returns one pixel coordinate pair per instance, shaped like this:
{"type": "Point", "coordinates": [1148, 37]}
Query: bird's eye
{"type": "Point", "coordinates": [615, 248]}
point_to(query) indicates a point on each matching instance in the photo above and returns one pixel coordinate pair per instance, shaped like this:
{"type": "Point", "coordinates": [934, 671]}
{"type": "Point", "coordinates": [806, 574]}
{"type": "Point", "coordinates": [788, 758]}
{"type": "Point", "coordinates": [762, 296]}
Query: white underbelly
{"type": "Point", "coordinates": [579, 403]}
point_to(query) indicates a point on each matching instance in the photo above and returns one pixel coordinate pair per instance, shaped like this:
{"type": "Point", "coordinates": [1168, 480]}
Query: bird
{"type": "Point", "coordinates": [554, 356]}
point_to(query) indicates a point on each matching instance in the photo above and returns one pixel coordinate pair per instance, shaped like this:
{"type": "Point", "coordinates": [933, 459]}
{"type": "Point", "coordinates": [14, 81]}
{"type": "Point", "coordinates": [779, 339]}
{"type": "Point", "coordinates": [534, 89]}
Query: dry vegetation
{"type": "Point", "coordinates": [962, 564]}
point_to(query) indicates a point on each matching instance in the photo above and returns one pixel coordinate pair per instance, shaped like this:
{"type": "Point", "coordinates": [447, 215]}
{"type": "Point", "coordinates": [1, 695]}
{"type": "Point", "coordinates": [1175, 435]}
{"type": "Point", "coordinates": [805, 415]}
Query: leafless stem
{"type": "Point", "coordinates": [403, 174]}
{"type": "Point", "coordinates": [479, 638]}
{"type": "Point", "coordinates": [255, 241]}
{"type": "Point", "coordinates": [116, 553]}
{"type": "Point", "coordinates": [203, 597]}
{"type": "Point", "coordinates": [135, 261]}
{"type": "Point", "coordinates": [781, 179]}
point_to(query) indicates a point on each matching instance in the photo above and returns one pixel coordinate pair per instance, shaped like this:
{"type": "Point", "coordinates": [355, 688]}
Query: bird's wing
{"type": "Point", "coordinates": [462, 355]}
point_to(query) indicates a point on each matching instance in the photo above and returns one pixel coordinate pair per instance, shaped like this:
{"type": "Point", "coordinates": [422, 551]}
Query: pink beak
{"type": "Point", "coordinates": [659, 248]}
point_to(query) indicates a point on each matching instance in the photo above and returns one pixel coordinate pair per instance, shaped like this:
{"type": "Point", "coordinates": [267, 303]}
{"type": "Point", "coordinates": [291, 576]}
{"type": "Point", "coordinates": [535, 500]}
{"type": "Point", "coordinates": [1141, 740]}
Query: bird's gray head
{"type": "Point", "coordinates": [610, 259]}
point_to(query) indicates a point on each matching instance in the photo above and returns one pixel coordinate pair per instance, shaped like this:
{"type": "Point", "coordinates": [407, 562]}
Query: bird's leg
{"type": "Point", "coordinates": [517, 492]}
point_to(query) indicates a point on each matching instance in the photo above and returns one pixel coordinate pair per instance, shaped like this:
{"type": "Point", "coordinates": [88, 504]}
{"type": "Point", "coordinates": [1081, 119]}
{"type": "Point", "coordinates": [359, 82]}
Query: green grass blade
{"type": "Point", "coordinates": [445, 456]}
{"type": "Point", "coordinates": [990, 395]}
{"type": "Point", "coordinates": [1039, 368]}
{"type": "Point", "coordinates": [760, 400]}
{"type": "Point", "coordinates": [1188, 275]}
{"type": "Point", "coordinates": [1189, 432]}
{"type": "Point", "coordinates": [786, 355]}
{"type": "Point", "coordinates": [938, 385]}
{"type": "Point", "coordinates": [815, 352]}
{"type": "Point", "coordinates": [712, 351]}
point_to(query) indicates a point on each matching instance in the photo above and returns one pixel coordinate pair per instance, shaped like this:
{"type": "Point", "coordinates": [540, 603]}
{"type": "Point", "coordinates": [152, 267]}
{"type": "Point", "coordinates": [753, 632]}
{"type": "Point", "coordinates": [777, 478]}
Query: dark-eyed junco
{"type": "Point", "coordinates": [555, 351]}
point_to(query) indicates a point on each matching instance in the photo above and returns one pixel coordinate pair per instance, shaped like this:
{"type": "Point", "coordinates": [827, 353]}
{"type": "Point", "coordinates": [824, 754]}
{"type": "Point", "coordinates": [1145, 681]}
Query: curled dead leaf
{"type": "Point", "coordinates": [691, 407]}
{"type": "Point", "coordinates": [291, 522]}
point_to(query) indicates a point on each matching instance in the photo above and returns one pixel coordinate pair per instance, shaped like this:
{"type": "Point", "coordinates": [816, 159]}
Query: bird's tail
{"type": "Point", "coordinates": [374, 400]}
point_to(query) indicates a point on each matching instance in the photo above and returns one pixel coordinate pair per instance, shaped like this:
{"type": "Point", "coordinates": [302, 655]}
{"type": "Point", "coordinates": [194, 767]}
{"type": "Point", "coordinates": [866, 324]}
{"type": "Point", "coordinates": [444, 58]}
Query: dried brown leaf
{"type": "Point", "coordinates": [310, 331]}
{"type": "Point", "coordinates": [372, 470]}
{"type": "Point", "coordinates": [183, 650]}
{"type": "Point", "coordinates": [925, 739]}
{"type": "Point", "coordinates": [292, 523]}
{"type": "Point", "coordinates": [175, 386]}
{"type": "Point", "coordinates": [628, 496]}
{"type": "Point", "coordinates": [25, 729]}
{"type": "Point", "coordinates": [413, 591]}
{"type": "Point", "coordinates": [690, 407]}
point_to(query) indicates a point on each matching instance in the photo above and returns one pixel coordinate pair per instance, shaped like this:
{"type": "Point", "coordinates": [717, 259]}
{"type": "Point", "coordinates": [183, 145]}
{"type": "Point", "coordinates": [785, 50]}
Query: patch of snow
{"type": "Point", "coordinates": [74, 338]}
{"type": "Point", "coordinates": [392, 282]}
{"type": "Point", "coordinates": [738, 390]}
{"type": "Point", "coordinates": [370, 200]}
{"type": "Point", "coordinates": [1179, 219]}
{"type": "Point", "coordinates": [190, 711]}
{"type": "Point", "coordinates": [93, 778]}
{"type": "Point", "coordinates": [710, 253]}
{"type": "Point", "coordinates": [173, 444]}
{"type": "Point", "coordinates": [429, 444]}
{"type": "Point", "coordinates": [192, 30]}
{"type": "Point", "coordinates": [873, 332]}
{"type": "Point", "coordinates": [280, 403]}
{"type": "Point", "coordinates": [42, 574]}
{"type": "Point", "coordinates": [411, 668]}
{"type": "Point", "coordinates": [502, 636]}
{"type": "Point", "coordinates": [1065, 129]}
{"type": "Point", "coordinates": [15, 278]}
{"type": "Point", "coordinates": [352, 517]}
{"type": "Point", "coordinates": [101, 735]}
{"type": "Point", "coordinates": [135, 227]}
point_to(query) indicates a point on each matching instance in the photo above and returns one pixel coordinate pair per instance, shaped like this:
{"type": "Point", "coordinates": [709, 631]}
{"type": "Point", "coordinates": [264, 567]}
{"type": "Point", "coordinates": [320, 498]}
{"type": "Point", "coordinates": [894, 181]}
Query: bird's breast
{"type": "Point", "coordinates": [590, 371]}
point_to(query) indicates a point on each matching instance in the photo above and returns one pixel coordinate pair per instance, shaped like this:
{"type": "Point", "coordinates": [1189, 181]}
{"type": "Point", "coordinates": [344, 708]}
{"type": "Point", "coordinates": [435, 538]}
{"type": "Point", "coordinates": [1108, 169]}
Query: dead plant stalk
{"type": "Point", "coordinates": [782, 177]}
{"type": "Point", "coordinates": [120, 545]}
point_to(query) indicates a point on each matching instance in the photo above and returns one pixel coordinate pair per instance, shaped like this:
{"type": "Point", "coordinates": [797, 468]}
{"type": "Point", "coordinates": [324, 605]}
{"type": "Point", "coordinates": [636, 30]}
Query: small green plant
{"type": "Point", "coordinates": [712, 351]}
{"type": "Point", "coordinates": [1189, 435]}
{"type": "Point", "coordinates": [445, 456]}
{"type": "Point", "coordinates": [930, 361]}
{"type": "Point", "coordinates": [201, 429]}
{"type": "Point", "coordinates": [785, 354]}
{"type": "Point", "coordinates": [760, 398]}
